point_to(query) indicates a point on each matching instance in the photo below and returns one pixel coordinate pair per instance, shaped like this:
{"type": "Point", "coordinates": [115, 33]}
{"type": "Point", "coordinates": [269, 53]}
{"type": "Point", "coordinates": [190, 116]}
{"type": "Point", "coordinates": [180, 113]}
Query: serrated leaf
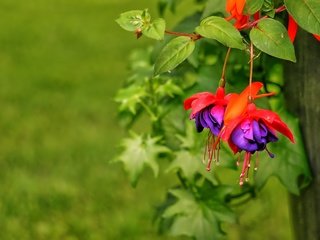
{"type": "Point", "coordinates": [168, 89]}
{"type": "Point", "coordinates": [190, 164]}
{"type": "Point", "coordinates": [306, 13]}
{"type": "Point", "coordinates": [155, 29]}
{"type": "Point", "coordinates": [140, 152]}
{"type": "Point", "coordinates": [271, 37]}
{"type": "Point", "coordinates": [174, 53]}
{"type": "Point", "coordinates": [253, 6]}
{"type": "Point", "coordinates": [194, 218]}
{"type": "Point", "coordinates": [290, 163]}
{"type": "Point", "coordinates": [130, 97]}
{"type": "Point", "coordinates": [221, 30]}
{"type": "Point", "coordinates": [131, 20]}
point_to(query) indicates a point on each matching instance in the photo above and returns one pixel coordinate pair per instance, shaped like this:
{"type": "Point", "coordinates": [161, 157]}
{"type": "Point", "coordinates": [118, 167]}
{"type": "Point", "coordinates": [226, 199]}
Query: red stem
{"type": "Point", "coordinates": [252, 24]}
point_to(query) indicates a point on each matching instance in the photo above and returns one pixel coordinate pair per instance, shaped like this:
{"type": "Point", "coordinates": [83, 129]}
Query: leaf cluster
{"type": "Point", "coordinates": [163, 75]}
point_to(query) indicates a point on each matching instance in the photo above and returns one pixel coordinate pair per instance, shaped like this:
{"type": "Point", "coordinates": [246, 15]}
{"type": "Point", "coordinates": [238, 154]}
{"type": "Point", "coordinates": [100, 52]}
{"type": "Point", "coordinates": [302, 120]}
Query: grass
{"type": "Point", "coordinates": [61, 62]}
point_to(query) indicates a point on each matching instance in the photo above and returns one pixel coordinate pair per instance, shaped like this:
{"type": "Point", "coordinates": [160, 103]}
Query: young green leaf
{"type": "Point", "coordinates": [155, 29]}
{"type": "Point", "coordinates": [130, 97]}
{"type": "Point", "coordinates": [290, 162]}
{"type": "Point", "coordinates": [140, 152]}
{"type": "Point", "coordinates": [174, 53]}
{"type": "Point", "coordinates": [271, 37]}
{"type": "Point", "coordinates": [131, 20]}
{"type": "Point", "coordinates": [191, 164]}
{"type": "Point", "coordinates": [168, 89]}
{"type": "Point", "coordinates": [221, 30]}
{"type": "Point", "coordinates": [306, 13]}
{"type": "Point", "coordinates": [253, 6]}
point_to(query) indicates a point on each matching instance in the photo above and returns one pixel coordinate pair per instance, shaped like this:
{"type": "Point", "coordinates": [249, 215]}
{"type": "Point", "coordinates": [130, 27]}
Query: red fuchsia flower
{"type": "Point", "coordinates": [249, 129]}
{"type": "Point", "coordinates": [207, 110]}
{"type": "Point", "coordinates": [235, 8]}
{"type": "Point", "coordinates": [293, 28]}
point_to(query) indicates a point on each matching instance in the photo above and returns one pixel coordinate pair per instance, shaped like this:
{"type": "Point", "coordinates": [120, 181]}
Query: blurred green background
{"type": "Point", "coordinates": [61, 62]}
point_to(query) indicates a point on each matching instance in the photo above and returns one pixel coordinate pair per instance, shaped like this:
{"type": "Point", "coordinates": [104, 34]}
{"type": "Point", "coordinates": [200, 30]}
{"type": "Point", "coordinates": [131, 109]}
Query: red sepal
{"type": "Point", "coordinates": [292, 28]}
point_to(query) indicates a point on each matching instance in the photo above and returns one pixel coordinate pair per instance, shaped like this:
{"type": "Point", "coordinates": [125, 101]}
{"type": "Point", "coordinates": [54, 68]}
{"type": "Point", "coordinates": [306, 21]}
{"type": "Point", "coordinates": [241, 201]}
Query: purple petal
{"type": "Point", "coordinates": [218, 113]}
{"type": "Point", "coordinates": [199, 126]}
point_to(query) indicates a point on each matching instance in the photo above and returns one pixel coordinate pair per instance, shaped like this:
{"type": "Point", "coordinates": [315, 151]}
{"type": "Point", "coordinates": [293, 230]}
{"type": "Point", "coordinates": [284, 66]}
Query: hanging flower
{"type": "Point", "coordinates": [250, 129]}
{"type": "Point", "coordinates": [207, 110]}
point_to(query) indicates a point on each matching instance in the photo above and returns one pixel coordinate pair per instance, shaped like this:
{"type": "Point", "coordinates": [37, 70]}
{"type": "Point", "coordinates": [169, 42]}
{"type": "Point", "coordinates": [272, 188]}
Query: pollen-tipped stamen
{"type": "Point", "coordinates": [245, 167]}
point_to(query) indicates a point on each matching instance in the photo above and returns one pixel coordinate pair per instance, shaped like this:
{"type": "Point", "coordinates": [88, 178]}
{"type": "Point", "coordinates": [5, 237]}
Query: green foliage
{"type": "Point", "coordinates": [140, 22]}
{"type": "Point", "coordinates": [271, 37]}
{"type": "Point", "coordinates": [130, 98]}
{"type": "Point", "coordinates": [306, 13]}
{"type": "Point", "coordinates": [221, 30]}
{"type": "Point", "coordinates": [131, 20]}
{"type": "Point", "coordinates": [253, 6]}
{"type": "Point", "coordinates": [174, 53]}
{"type": "Point", "coordinates": [155, 29]}
{"type": "Point", "coordinates": [197, 218]}
{"type": "Point", "coordinates": [200, 205]}
{"type": "Point", "coordinates": [139, 152]}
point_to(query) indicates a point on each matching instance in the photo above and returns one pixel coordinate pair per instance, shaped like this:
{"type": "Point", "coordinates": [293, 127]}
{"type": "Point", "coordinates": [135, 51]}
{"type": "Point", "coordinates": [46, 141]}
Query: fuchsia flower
{"type": "Point", "coordinates": [207, 110]}
{"type": "Point", "coordinates": [236, 120]}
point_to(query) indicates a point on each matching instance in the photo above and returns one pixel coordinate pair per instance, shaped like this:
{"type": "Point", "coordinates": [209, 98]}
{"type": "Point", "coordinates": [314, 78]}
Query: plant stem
{"type": "Point", "coordinates": [251, 72]}
{"type": "Point", "coordinates": [223, 78]}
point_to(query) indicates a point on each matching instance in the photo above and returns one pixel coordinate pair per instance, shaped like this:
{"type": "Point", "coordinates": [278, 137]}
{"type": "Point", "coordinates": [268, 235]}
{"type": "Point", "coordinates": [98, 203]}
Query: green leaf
{"type": "Point", "coordinates": [221, 30]}
{"type": "Point", "coordinates": [191, 164]}
{"type": "Point", "coordinates": [140, 152]}
{"type": "Point", "coordinates": [174, 53]}
{"type": "Point", "coordinates": [253, 6]}
{"type": "Point", "coordinates": [306, 13]}
{"type": "Point", "coordinates": [268, 8]}
{"type": "Point", "coordinates": [155, 29]}
{"type": "Point", "coordinates": [290, 163]}
{"type": "Point", "coordinates": [195, 218]}
{"type": "Point", "coordinates": [271, 37]}
{"type": "Point", "coordinates": [130, 97]}
{"type": "Point", "coordinates": [131, 20]}
{"type": "Point", "coordinates": [168, 89]}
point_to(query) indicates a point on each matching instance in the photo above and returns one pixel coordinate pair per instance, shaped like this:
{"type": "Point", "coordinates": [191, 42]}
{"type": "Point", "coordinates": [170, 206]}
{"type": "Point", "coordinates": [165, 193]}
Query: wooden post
{"type": "Point", "coordinates": [302, 92]}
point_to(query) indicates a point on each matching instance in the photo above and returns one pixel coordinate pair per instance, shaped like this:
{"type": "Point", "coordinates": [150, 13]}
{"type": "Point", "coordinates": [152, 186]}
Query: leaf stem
{"type": "Point", "coordinates": [223, 78]}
